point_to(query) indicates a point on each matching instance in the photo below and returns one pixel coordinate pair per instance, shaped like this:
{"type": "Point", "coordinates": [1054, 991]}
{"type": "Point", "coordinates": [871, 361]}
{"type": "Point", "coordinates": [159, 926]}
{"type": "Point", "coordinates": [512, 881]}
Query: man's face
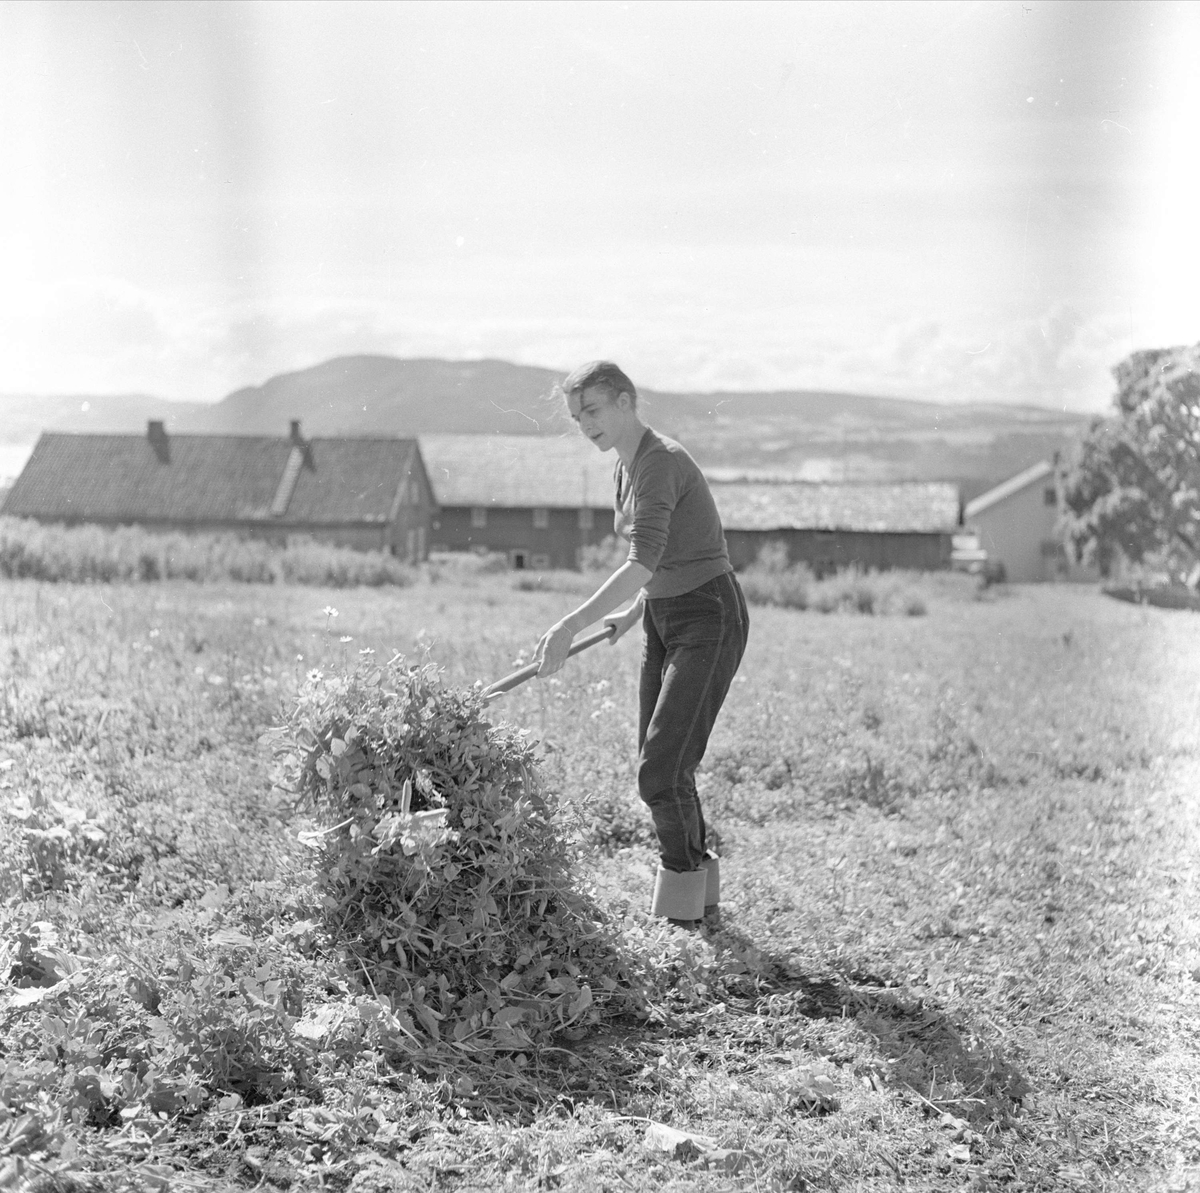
{"type": "Point", "coordinates": [599, 416]}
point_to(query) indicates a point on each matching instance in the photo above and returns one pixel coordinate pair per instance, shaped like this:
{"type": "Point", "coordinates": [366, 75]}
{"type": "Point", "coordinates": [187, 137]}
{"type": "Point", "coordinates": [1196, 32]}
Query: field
{"type": "Point", "coordinates": [960, 944]}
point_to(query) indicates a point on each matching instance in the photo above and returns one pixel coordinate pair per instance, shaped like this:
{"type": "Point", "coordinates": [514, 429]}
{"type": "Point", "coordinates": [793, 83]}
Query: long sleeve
{"type": "Point", "coordinates": [656, 492]}
{"type": "Point", "coordinates": [666, 511]}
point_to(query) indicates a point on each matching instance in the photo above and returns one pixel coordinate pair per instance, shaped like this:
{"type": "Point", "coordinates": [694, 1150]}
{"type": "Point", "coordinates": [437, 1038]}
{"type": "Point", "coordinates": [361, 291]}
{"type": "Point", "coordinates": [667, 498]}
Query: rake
{"type": "Point", "coordinates": [682, 898]}
{"type": "Point", "coordinates": [531, 669]}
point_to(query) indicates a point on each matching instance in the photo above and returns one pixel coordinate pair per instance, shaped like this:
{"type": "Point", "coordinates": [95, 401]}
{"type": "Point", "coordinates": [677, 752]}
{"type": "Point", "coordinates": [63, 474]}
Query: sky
{"type": "Point", "coordinates": [957, 201]}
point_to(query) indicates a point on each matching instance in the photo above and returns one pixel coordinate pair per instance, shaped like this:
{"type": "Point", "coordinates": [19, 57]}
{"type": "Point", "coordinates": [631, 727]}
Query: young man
{"type": "Point", "coordinates": [681, 586]}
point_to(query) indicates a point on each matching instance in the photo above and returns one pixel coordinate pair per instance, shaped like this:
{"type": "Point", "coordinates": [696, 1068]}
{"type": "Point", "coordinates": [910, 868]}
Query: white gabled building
{"type": "Point", "coordinates": [1017, 525]}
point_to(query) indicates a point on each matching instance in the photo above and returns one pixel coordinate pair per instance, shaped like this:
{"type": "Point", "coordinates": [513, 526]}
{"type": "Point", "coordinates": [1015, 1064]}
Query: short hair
{"type": "Point", "coordinates": [600, 374]}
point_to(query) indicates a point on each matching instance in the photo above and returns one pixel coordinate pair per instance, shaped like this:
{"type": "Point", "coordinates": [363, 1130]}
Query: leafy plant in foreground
{"type": "Point", "coordinates": [446, 866]}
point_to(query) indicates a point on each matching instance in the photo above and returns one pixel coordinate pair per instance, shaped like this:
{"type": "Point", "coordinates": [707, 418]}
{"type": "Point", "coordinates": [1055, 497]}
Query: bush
{"type": "Point", "coordinates": [445, 865]}
{"type": "Point", "coordinates": [464, 567]}
{"type": "Point", "coordinates": [129, 553]}
{"type": "Point", "coordinates": [604, 556]}
{"type": "Point", "coordinates": [772, 580]}
{"type": "Point", "coordinates": [863, 596]}
{"type": "Point", "coordinates": [306, 561]}
{"type": "Point", "coordinates": [992, 572]}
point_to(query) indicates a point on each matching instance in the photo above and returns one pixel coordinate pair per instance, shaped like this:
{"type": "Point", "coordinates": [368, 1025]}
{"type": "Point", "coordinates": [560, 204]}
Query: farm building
{"type": "Point", "coordinates": [363, 493]}
{"type": "Point", "coordinates": [1017, 525]}
{"type": "Point", "coordinates": [831, 526]}
{"type": "Point", "coordinates": [538, 499]}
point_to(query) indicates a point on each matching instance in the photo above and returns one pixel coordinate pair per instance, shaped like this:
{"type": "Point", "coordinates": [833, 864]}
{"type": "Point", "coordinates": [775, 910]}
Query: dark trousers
{"type": "Point", "coordinates": [693, 646]}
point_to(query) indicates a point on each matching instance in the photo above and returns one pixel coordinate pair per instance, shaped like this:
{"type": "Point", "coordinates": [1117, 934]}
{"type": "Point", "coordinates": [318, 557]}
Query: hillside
{"type": "Point", "coordinates": [820, 435]}
{"type": "Point", "coordinates": [23, 417]}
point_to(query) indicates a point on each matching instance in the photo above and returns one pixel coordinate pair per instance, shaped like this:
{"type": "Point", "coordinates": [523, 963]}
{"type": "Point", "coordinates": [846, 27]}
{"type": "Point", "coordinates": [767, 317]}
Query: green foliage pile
{"type": "Point", "coordinates": [95, 554]}
{"type": "Point", "coordinates": [445, 865]}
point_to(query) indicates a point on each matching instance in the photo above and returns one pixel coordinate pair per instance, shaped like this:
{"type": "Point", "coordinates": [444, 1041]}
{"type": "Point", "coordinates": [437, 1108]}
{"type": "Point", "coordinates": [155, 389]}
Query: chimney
{"type": "Point", "coordinates": [299, 457]}
{"type": "Point", "coordinates": [300, 445]}
{"type": "Point", "coordinates": [156, 435]}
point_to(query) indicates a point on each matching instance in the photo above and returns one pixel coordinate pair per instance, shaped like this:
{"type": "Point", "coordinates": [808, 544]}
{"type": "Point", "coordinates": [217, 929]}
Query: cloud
{"type": "Point", "coordinates": [103, 335]}
{"type": "Point", "coordinates": [86, 335]}
{"type": "Point", "coordinates": [1060, 359]}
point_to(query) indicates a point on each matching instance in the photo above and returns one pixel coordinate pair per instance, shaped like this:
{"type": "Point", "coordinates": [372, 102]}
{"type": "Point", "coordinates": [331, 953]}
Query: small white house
{"type": "Point", "coordinates": [1017, 525]}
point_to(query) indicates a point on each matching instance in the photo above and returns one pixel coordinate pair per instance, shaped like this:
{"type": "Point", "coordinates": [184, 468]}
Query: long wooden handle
{"type": "Point", "coordinates": [531, 669]}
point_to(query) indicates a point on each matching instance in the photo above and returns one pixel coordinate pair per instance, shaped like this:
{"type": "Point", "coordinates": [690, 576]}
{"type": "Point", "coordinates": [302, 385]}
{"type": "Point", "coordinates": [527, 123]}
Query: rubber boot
{"type": "Point", "coordinates": [680, 897]}
{"type": "Point", "coordinates": [712, 889]}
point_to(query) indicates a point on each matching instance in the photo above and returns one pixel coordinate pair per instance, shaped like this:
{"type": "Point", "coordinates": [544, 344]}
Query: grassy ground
{"type": "Point", "coordinates": [960, 945]}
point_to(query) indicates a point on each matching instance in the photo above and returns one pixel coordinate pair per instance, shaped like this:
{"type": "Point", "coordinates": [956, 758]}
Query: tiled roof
{"type": "Point", "coordinates": [911, 506]}
{"type": "Point", "coordinates": [353, 480]}
{"type": "Point", "coordinates": [208, 478]}
{"type": "Point", "coordinates": [528, 471]}
{"type": "Point", "coordinates": [518, 471]}
{"type": "Point", "coordinates": [1014, 484]}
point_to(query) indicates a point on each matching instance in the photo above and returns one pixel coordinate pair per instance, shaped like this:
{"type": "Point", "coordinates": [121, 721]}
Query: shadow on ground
{"type": "Point", "coordinates": [921, 1047]}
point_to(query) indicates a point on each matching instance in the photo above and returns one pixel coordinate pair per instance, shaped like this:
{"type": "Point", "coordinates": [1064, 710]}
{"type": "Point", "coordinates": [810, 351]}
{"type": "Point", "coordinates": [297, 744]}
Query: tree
{"type": "Point", "coordinates": [1133, 483]}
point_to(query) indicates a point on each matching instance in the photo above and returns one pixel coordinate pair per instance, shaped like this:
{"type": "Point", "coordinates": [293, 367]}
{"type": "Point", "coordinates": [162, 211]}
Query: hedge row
{"type": "Point", "coordinates": [92, 553]}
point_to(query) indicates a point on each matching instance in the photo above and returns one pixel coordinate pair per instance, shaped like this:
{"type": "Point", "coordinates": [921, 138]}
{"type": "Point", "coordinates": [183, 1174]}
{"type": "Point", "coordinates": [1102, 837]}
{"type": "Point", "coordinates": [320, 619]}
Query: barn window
{"type": "Point", "coordinates": [1050, 495]}
{"type": "Point", "coordinates": [541, 519]}
{"type": "Point", "coordinates": [414, 492]}
{"type": "Point", "coordinates": [479, 517]}
{"type": "Point", "coordinates": [585, 519]}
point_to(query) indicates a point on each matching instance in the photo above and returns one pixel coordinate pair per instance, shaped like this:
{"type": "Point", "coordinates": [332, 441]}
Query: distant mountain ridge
{"type": "Point", "coordinates": [817, 435]}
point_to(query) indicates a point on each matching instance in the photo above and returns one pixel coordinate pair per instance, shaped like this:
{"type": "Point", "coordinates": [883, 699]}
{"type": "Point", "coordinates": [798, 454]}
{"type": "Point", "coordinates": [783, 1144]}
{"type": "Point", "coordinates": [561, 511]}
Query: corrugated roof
{"type": "Point", "coordinates": [518, 471]}
{"type": "Point", "coordinates": [220, 478]}
{"type": "Point", "coordinates": [925, 506]}
{"type": "Point", "coordinates": [1014, 484]}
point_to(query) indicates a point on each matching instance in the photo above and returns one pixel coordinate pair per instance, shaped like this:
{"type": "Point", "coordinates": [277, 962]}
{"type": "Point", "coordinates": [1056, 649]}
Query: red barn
{"type": "Point", "coordinates": [538, 499]}
{"type": "Point", "coordinates": [832, 526]}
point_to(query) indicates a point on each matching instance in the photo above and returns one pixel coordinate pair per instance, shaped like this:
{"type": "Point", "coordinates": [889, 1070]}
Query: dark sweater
{"type": "Point", "coordinates": [666, 511]}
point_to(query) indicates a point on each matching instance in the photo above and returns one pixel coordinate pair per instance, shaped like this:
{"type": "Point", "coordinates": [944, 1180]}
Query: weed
{"type": "Point", "coordinates": [617, 820]}
{"type": "Point", "coordinates": [957, 943]}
